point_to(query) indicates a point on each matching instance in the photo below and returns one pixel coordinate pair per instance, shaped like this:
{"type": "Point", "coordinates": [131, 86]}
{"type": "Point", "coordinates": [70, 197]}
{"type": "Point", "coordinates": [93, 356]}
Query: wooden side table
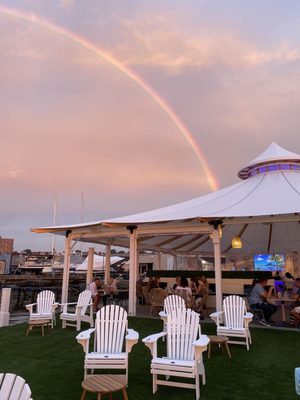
{"type": "Point", "coordinates": [221, 341]}
{"type": "Point", "coordinates": [38, 322]}
{"type": "Point", "coordinates": [104, 384]}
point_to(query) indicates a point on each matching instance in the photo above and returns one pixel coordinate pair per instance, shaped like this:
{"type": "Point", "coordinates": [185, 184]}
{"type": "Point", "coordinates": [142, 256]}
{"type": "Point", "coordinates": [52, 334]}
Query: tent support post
{"type": "Point", "coordinates": [65, 282]}
{"type": "Point", "coordinates": [159, 260]}
{"type": "Point", "coordinates": [89, 270]}
{"type": "Point", "coordinates": [107, 263]}
{"type": "Point", "coordinates": [132, 271]}
{"type": "Point", "coordinates": [218, 272]}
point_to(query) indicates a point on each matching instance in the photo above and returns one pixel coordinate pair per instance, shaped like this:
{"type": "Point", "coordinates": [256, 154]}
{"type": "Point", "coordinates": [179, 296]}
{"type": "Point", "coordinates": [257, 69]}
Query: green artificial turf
{"type": "Point", "coordinates": [53, 365]}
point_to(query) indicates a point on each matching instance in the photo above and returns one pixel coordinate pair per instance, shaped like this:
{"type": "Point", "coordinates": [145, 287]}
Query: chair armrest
{"type": "Point", "coordinates": [84, 337]}
{"type": "Point", "coordinates": [162, 314]}
{"type": "Point", "coordinates": [131, 338]}
{"type": "Point", "coordinates": [151, 342]}
{"type": "Point", "coordinates": [54, 306]}
{"type": "Point", "coordinates": [248, 318]}
{"type": "Point", "coordinates": [201, 346]}
{"type": "Point", "coordinates": [29, 307]}
{"type": "Point", "coordinates": [217, 317]}
{"type": "Point", "coordinates": [64, 306]}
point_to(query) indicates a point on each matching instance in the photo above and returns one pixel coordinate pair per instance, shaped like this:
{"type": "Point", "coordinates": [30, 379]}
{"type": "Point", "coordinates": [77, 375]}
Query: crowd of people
{"type": "Point", "coordinates": [103, 291]}
{"type": "Point", "coordinates": [195, 292]}
{"type": "Point", "coordinates": [261, 294]}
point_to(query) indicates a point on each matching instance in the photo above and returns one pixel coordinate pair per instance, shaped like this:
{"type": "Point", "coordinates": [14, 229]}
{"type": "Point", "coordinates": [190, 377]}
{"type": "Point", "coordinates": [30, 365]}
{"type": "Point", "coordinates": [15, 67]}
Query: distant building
{"type": "Point", "coordinates": [6, 245]}
{"type": "Point", "coordinates": [6, 250]}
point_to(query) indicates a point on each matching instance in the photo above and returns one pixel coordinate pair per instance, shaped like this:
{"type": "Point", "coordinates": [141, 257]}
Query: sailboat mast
{"type": "Point", "coordinates": [54, 223]}
{"type": "Point", "coordinates": [81, 216]}
{"type": "Point", "coordinates": [82, 208]}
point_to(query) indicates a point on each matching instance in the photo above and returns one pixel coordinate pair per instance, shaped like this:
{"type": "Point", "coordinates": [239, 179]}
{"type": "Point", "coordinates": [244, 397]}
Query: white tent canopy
{"type": "Point", "coordinates": [270, 191]}
{"type": "Point", "coordinates": [263, 208]}
{"type": "Point", "coordinates": [98, 263]}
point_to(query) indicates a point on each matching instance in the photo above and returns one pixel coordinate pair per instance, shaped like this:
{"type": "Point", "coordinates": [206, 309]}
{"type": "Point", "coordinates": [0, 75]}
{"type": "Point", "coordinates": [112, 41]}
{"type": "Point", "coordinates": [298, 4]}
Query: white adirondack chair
{"type": "Point", "coordinates": [172, 303]}
{"type": "Point", "coordinates": [236, 320]}
{"type": "Point", "coordinates": [297, 380]}
{"type": "Point", "coordinates": [13, 387]}
{"type": "Point", "coordinates": [74, 319]}
{"type": "Point", "coordinates": [185, 346]}
{"type": "Point", "coordinates": [109, 334]}
{"type": "Point", "coordinates": [44, 307]}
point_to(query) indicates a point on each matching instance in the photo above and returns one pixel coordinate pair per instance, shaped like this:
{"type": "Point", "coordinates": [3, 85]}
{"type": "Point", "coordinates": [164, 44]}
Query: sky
{"type": "Point", "coordinates": [137, 104]}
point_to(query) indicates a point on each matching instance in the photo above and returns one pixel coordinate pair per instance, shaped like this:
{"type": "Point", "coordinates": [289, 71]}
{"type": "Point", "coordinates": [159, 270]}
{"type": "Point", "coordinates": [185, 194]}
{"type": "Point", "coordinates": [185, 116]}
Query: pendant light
{"type": "Point", "coordinates": [236, 242]}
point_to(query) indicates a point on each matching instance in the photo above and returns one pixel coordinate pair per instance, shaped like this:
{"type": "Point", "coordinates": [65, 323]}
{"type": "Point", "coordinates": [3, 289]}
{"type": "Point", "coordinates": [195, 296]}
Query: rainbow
{"type": "Point", "coordinates": [49, 26]}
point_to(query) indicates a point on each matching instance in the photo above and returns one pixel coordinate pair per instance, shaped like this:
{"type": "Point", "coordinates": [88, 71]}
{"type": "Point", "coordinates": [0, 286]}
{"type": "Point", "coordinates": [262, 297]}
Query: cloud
{"type": "Point", "coordinates": [66, 4]}
{"type": "Point", "coordinates": [161, 43]}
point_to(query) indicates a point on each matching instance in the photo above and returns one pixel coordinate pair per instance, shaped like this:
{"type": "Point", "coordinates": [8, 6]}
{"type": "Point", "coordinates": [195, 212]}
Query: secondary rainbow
{"type": "Point", "coordinates": [41, 22]}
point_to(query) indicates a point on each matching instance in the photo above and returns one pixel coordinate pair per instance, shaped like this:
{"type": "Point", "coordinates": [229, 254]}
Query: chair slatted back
{"type": "Point", "coordinates": [173, 303]}
{"type": "Point", "coordinates": [84, 299]}
{"type": "Point", "coordinates": [234, 310]}
{"type": "Point", "coordinates": [13, 387]}
{"type": "Point", "coordinates": [182, 330]}
{"type": "Point", "coordinates": [45, 301]}
{"type": "Point", "coordinates": [111, 323]}
{"type": "Point", "coordinates": [297, 380]}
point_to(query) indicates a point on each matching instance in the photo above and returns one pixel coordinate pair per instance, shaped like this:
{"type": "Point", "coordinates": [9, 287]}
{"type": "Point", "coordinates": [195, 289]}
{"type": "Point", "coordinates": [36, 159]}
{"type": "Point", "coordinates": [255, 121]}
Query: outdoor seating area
{"type": "Point", "coordinates": [53, 365]}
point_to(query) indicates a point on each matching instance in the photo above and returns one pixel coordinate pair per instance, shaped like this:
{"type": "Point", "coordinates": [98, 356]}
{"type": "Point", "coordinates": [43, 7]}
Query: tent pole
{"type": "Point", "coordinates": [218, 272]}
{"type": "Point", "coordinates": [159, 260]}
{"type": "Point", "coordinates": [90, 264]}
{"type": "Point", "coordinates": [132, 271]}
{"type": "Point", "coordinates": [107, 263]}
{"type": "Point", "coordinates": [65, 282]}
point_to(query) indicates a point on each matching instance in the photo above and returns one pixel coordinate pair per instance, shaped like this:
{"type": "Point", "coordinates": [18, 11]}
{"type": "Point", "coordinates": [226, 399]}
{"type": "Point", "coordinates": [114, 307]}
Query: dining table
{"type": "Point", "coordinates": [284, 302]}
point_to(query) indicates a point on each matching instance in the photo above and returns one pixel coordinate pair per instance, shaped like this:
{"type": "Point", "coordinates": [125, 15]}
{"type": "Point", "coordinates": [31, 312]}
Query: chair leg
{"type": "Point", "coordinates": [64, 324]}
{"type": "Point", "coordinates": [78, 325]}
{"type": "Point", "coordinates": [250, 338]}
{"type": "Point", "coordinates": [227, 349]}
{"type": "Point", "coordinates": [201, 371]}
{"type": "Point", "coordinates": [83, 395]}
{"type": "Point", "coordinates": [125, 397]}
{"type": "Point", "coordinates": [154, 383]}
{"type": "Point", "coordinates": [197, 383]}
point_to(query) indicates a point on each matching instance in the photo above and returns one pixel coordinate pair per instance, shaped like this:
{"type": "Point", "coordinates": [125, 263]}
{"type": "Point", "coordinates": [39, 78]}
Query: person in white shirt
{"type": "Point", "coordinates": [93, 287]}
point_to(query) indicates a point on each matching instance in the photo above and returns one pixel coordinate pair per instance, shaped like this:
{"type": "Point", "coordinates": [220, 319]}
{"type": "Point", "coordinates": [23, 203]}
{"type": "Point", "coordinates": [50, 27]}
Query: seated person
{"type": "Point", "coordinates": [110, 290]}
{"type": "Point", "coordinates": [94, 287]}
{"type": "Point", "coordinates": [196, 286]}
{"type": "Point", "coordinates": [295, 308]}
{"type": "Point", "coordinates": [177, 282]}
{"type": "Point", "coordinates": [183, 290]}
{"type": "Point", "coordinates": [139, 292]}
{"type": "Point", "coordinates": [203, 290]}
{"type": "Point", "coordinates": [154, 283]}
{"type": "Point", "coordinates": [258, 299]}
